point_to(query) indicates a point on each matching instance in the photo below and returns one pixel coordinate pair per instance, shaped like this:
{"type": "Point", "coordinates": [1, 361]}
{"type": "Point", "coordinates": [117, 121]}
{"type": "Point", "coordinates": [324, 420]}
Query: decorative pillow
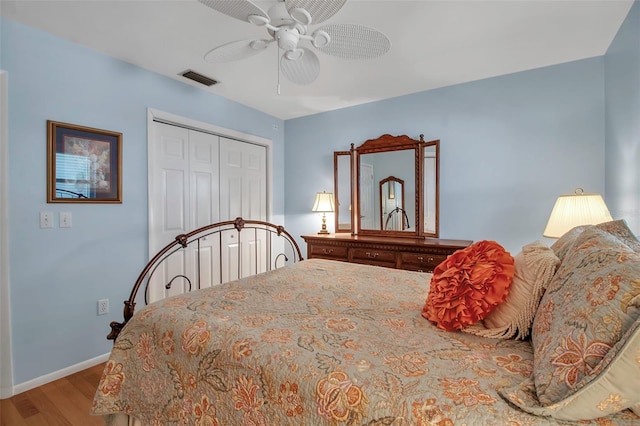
{"type": "Point", "coordinates": [534, 268]}
{"type": "Point", "coordinates": [468, 285]}
{"type": "Point", "coordinates": [565, 242]}
{"type": "Point", "coordinates": [591, 303]}
{"type": "Point", "coordinates": [614, 389]}
{"type": "Point", "coordinates": [620, 230]}
{"type": "Point", "coordinates": [617, 228]}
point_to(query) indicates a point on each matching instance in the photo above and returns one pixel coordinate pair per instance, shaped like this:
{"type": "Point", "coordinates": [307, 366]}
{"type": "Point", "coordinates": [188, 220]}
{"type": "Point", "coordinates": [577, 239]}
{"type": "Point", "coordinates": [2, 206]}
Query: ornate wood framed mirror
{"type": "Point", "coordinates": [415, 164]}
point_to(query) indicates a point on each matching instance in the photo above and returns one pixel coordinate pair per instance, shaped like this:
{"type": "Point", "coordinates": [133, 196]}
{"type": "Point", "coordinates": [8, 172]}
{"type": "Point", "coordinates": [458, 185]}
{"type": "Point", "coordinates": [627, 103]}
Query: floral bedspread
{"type": "Point", "coordinates": [316, 343]}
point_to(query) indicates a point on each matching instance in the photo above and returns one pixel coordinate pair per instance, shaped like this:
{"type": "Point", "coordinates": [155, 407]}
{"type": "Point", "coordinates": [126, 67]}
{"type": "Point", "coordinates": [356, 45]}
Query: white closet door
{"type": "Point", "coordinates": [195, 179]}
{"type": "Point", "coordinates": [184, 184]}
{"type": "Point", "coordinates": [243, 192]}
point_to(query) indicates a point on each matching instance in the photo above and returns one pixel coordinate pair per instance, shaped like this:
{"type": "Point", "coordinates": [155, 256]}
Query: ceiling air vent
{"type": "Point", "coordinates": [192, 75]}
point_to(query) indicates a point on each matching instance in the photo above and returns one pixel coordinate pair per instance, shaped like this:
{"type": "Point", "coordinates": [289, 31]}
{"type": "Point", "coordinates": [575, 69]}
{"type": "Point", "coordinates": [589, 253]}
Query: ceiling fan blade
{"type": "Point", "coordinates": [303, 70]}
{"type": "Point", "coordinates": [239, 9]}
{"type": "Point", "coordinates": [320, 11]}
{"type": "Point", "coordinates": [351, 41]}
{"type": "Point", "coordinates": [236, 50]}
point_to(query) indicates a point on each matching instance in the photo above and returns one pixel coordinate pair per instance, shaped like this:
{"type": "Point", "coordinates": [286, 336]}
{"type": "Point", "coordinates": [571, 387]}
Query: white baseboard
{"type": "Point", "coordinates": [47, 378]}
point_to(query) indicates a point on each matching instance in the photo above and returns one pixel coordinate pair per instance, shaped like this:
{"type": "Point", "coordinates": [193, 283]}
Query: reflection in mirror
{"type": "Point", "coordinates": [342, 190]}
{"type": "Point", "coordinates": [394, 216]}
{"type": "Point", "coordinates": [377, 166]}
{"type": "Point", "coordinates": [412, 161]}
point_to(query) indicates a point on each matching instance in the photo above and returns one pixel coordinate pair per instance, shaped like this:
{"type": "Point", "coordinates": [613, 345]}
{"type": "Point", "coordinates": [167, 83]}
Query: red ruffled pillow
{"type": "Point", "coordinates": [468, 285]}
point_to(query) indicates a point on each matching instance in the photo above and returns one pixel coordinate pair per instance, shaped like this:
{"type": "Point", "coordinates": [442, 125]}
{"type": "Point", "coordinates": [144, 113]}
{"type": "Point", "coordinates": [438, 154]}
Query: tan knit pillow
{"type": "Point", "coordinates": [636, 409]}
{"type": "Point", "coordinates": [534, 268]}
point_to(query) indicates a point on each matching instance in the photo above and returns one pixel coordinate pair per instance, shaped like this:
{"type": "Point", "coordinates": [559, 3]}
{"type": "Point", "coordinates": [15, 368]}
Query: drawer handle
{"type": "Point", "coordinates": [421, 259]}
{"type": "Point", "coordinates": [327, 251]}
{"type": "Point", "coordinates": [372, 255]}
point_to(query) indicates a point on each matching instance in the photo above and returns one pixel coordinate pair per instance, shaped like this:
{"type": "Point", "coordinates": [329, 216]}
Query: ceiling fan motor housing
{"type": "Point", "coordinates": [287, 38]}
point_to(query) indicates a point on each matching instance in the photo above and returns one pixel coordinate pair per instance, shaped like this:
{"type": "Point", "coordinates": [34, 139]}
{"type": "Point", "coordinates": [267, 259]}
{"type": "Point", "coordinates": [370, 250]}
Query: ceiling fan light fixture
{"type": "Point", "coordinates": [320, 38]}
{"type": "Point", "coordinates": [258, 44]}
{"type": "Point", "coordinates": [258, 20]}
{"type": "Point", "coordinates": [294, 54]}
{"type": "Point", "coordinates": [279, 15]}
{"type": "Point", "coordinates": [301, 16]}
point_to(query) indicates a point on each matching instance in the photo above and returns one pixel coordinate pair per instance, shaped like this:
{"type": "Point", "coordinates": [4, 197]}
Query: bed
{"type": "Point", "coordinates": [321, 342]}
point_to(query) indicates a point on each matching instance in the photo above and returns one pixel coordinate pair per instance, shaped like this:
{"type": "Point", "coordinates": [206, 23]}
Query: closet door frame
{"type": "Point", "coordinates": [154, 115]}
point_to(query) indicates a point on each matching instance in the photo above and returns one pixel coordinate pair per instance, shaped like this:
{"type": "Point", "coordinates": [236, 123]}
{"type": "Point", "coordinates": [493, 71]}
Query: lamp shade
{"type": "Point", "coordinates": [574, 210]}
{"type": "Point", "coordinates": [324, 202]}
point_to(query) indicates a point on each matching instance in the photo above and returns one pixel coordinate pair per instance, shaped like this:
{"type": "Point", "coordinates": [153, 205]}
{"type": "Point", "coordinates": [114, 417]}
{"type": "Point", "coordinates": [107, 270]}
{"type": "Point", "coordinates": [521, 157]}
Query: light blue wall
{"type": "Point", "coordinates": [622, 83]}
{"type": "Point", "coordinates": [509, 146]}
{"type": "Point", "coordinates": [57, 275]}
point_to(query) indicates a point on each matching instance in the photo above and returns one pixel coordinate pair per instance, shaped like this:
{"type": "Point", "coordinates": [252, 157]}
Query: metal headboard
{"type": "Point", "coordinates": [266, 247]}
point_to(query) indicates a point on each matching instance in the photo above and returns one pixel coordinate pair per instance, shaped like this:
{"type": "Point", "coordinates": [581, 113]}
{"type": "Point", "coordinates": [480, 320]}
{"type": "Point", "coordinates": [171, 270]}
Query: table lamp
{"type": "Point", "coordinates": [323, 204]}
{"type": "Point", "coordinates": [571, 210]}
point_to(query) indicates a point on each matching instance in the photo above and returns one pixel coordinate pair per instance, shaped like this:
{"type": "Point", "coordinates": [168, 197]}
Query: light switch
{"type": "Point", "coordinates": [46, 220]}
{"type": "Point", "coordinates": [65, 219]}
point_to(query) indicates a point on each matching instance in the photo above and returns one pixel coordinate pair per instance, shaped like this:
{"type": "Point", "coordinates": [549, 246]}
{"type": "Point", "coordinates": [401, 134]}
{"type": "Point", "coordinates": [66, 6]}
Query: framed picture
{"type": "Point", "coordinates": [84, 165]}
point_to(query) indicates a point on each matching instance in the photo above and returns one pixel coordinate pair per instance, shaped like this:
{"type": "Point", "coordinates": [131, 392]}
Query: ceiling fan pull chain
{"type": "Point", "coordinates": [278, 67]}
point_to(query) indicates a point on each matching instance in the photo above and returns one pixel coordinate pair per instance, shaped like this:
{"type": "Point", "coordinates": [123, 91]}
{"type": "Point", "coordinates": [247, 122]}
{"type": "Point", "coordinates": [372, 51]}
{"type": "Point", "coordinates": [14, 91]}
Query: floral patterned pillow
{"type": "Point", "coordinates": [616, 386]}
{"type": "Point", "coordinates": [591, 303]}
{"type": "Point", "coordinates": [565, 242]}
{"type": "Point", "coordinates": [619, 228]}
{"type": "Point", "coordinates": [468, 285]}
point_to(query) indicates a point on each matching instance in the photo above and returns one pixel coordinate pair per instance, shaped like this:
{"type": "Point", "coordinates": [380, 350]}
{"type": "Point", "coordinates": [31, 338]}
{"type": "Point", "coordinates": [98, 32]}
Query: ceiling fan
{"type": "Point", "coordinates": [287, 23]}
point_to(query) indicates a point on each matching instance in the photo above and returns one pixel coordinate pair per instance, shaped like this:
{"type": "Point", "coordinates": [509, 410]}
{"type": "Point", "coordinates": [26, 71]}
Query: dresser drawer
{"type": "Point", "coordinates": [388, 264]}
{"type": "Point", "coordinates": [374, 256]}
{"type": "Point", "coordinates": [328, 252]}
{"type": "Point", "coordinates": [417, 268]}
{"type": "Point", "coordinates": [425, 261]}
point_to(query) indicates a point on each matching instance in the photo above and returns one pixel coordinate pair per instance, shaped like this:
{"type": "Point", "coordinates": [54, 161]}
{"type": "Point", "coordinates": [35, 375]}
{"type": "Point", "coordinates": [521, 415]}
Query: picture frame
{"type": "Point", "coordinates": [84, 164]}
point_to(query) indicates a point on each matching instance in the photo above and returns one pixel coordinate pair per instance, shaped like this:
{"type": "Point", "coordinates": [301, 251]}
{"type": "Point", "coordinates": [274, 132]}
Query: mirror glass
{"type": "Point", "coordinates": [394, 217]}
{"type": "Point", "coordinates": [430, 188]}
{"type": "Point", "coordinates": [342, 190]}
{"type": "Point", "coordinates": [395, 188]}
{"type": "Point", "coordinates": [375, 167]}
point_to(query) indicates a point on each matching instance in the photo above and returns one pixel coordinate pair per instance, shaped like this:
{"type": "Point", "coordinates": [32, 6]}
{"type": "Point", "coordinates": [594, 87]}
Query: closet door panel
{"type": "Point", "coordinates": [204, 170]}
{"type": "Point", "coordinates": [243, 186]}
{"type": "Point", "coordinates": [243, 180]}
{"type": "Point", "coordinates": [169, 186]}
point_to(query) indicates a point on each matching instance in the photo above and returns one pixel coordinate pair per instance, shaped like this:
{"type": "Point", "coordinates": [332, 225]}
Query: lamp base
{"type": "Point", "coordinates": [323, 230]}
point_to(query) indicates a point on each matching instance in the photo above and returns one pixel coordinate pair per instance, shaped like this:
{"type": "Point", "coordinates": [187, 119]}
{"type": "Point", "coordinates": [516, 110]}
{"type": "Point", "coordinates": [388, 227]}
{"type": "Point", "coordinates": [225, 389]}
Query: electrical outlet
{"type": "Point", "coordinates": [103, 306]}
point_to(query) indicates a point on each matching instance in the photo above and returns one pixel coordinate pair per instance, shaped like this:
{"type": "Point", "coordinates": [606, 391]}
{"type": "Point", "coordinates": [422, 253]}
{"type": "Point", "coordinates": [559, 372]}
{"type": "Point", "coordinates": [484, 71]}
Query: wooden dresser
{"type": "Point", "coordinates": [421, 255]}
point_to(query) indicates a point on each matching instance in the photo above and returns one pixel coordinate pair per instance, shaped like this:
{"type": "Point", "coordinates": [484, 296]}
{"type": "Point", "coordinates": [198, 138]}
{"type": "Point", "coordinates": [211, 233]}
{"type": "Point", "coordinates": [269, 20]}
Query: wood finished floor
{"type": "Point", "coordinates": [64, 402]}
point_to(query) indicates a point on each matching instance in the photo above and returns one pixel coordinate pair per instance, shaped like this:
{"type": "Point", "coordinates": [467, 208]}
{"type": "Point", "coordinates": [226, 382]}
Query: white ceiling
{"type": "Point", "coordinates": [434, 44]}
